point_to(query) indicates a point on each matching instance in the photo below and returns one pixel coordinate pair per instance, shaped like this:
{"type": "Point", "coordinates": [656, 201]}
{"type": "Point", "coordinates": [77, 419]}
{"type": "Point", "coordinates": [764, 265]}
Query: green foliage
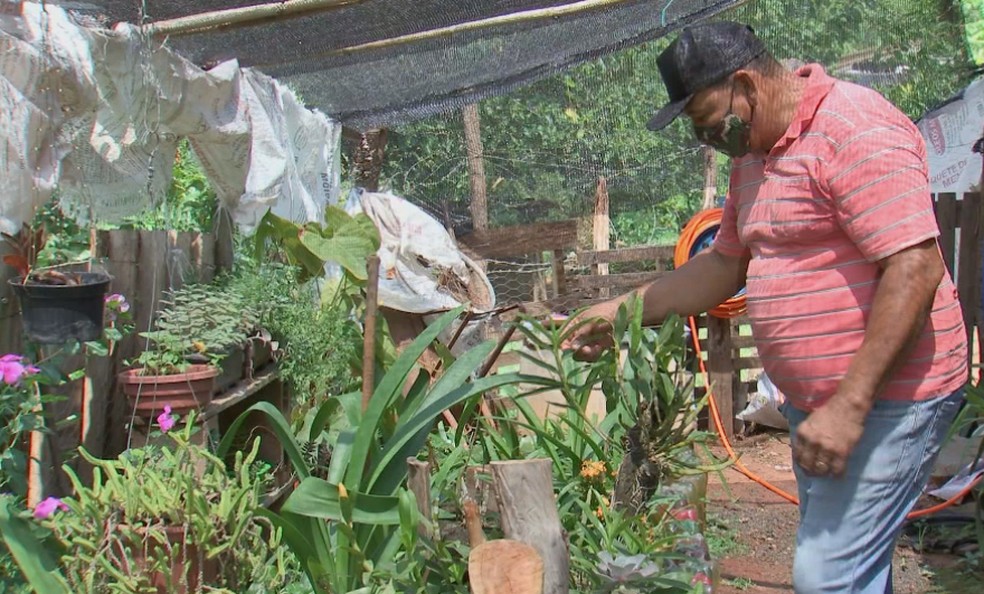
{"type": "Point", "coordinates": [64, 241]}
{"type": "Point", "coordinates": [545, 145]}
{"type": "Point", "coordinates": [25, 542]}
{"type": "Point", "coordinates": [343, 239]}
{"type": "Point", "coordinates": [973, 11]}
{"type": "Point", "coordinates": [190, 204]}
{"type": "Point", "coordinates": [137, 496]}
{"type": "Point", "coordinates": [319, 345]}
{"type": "Point", "coordinates": [610, 545]}
{"type": "Point", "coordinates": [203, 320]}
{"type": "Point", "coordinates": [347, 526]}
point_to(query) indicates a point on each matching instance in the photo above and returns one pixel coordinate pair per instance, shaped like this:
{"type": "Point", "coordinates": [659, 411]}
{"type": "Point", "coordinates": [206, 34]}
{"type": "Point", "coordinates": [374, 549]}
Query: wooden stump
{"type": "Point", "coordinates": [528, 512]}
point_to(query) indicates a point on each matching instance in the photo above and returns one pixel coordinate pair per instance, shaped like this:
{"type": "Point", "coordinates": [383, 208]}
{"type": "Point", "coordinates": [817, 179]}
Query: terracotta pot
{"type": "Point", "coordinates": [187, 572]}
{"type": "Point", "coordinates": [183, 392]}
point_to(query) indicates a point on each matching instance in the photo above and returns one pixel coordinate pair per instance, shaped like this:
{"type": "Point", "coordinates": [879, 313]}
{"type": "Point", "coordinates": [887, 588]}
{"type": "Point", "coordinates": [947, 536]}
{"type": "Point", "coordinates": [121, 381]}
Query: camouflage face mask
{"type": "Point", "coordinates": [730, 136]}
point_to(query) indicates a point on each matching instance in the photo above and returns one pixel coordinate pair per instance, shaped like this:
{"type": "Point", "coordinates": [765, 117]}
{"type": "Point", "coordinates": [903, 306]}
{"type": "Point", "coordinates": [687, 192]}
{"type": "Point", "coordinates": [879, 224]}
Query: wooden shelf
{"type": "Point", "coordinates": [241, 391]}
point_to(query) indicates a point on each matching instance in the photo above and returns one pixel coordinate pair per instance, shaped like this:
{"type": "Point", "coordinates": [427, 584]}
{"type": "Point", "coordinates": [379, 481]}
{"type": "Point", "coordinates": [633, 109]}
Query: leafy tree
{"type": "Point", "coordinates": [546, 145]}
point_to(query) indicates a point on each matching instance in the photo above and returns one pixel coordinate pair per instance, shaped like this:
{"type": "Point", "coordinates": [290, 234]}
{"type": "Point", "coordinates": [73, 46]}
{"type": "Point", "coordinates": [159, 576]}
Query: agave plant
{"type": "Point", "coordinates": [357, 519]}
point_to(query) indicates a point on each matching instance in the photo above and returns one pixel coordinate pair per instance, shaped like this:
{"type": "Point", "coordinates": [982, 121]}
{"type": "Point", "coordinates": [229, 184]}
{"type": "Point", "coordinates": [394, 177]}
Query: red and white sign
{"type": "Point", "coordinates": [950, 134]}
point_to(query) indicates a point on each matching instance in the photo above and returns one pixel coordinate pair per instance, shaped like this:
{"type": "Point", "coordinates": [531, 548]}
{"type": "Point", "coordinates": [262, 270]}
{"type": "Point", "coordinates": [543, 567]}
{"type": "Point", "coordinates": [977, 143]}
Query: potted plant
{"type": "Point", "coordinates": [169, 520]}
{"type": "Point", "coordinates": [198, 328]}
{"type": "Point", "coordinates": [61, 306]}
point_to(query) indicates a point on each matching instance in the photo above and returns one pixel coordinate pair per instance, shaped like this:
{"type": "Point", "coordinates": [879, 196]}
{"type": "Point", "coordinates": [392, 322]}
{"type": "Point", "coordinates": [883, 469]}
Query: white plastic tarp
{"type": "Point", "coordinates": [421, 269]}
{"type": "Point", "coordinates": [99, 113]}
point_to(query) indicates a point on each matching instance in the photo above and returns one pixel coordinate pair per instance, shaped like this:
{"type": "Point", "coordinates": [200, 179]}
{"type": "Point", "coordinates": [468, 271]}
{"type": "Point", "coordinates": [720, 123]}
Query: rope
{"type": "Point", "coordinates": [692, 240]}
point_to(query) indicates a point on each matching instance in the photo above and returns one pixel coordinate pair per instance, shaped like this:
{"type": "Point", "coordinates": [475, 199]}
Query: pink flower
{"type": "Point", "coordinates": [166, 420]}
{"type": "Point", "coordinates": [117, 302]}
{"type": "Point", "coordinates": [49, 506]}
{"type": "Point", "coordinates": [13, 369]}
{"type": "Point", "coordinates": [701, 578]}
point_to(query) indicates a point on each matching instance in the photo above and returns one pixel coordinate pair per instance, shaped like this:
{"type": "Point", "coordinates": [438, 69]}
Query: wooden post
{"type": "Point", "coordinates": [528, 512]}
{"type": "Point", "coordinates": [968, 263]}
{"type": "Point", "coordinates": [476, 167]}
{"type": "Point", "coordinates": [720, 370]}
{"type": "Point", "coordinates": [710, 177]}
{"type": "Point", "coordinates": [369, 339]}
{"type": "Point", "coordinates": [419, 483]}
{"type": "Point", "coordinates": [368, 159]}
{"type": "Point", "coordinates": [602, 230]}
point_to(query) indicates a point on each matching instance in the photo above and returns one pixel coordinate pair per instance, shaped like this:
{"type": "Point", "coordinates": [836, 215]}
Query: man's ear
{"type": "Point", "coordinates": [748, 82]}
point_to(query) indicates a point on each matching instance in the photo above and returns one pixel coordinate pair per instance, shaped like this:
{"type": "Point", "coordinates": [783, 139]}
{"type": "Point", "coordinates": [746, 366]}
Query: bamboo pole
{"type": "Point", "coordinates": [243, 16]}
{"type": "Point", "coordinates": [525, 16]}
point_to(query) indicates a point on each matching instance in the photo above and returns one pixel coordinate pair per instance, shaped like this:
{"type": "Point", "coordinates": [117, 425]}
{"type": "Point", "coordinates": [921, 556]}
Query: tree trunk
{"type": "Point", "coordinates": [476, 167]}
{"type": "Point", "coordinates": [369, 159]}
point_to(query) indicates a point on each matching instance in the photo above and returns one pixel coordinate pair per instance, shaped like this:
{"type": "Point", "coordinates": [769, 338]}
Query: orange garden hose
{"type": "Point", "coordinates": [697, 230]}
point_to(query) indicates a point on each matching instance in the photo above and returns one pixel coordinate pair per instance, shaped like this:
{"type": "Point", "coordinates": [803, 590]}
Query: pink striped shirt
{"type": "Point", "coordinates": [844, 188]}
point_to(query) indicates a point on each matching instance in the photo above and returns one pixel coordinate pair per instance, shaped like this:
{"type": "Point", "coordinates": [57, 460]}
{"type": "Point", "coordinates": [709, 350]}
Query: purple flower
{"type": "Point", "coordinates": [13, 369]}
{"type": "Point", "coordinates": [49, 506]}
{"type": "Point", "coordinates": [166, 420]}
{"type": "Point", "coordinates": [117, 302]}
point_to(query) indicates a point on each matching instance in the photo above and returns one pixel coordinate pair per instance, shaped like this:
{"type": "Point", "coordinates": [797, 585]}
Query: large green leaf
{"type": "Point", "coordinates": [317, 498]}
{"type": "Point", "coordinates": [282, 430]}
{"type": "Point", "coordinates": [344, 239]}
{"type": "Point", "coordinates": [390, 470]}
{"type": "Point", "coordinates": [35, 562]}
{"type": "Point", "coordinates": [388, 389]}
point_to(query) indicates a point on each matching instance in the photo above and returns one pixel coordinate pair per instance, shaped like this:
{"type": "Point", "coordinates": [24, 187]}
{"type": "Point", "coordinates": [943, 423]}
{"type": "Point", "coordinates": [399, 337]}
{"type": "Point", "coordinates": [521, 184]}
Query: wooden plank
{"type": "Point", "coordinates": [739, 342]}
{"type": "Point", "coordinates": [946, 218]}
{"type": "Point", "coordinates": [720, 370]}
{"type": "Point", "coordinates": [969, 265]}
{"type": "Point", "coordinates": [601, 227]}
{"type": "Point", "coordinates": [632, 254]}
{"type": "Point", "coordinates": [241, 391]}
{"type": "Point", "coordinates": [202, 255]}
{"type": "Point", "coordinates": [628, 280]}
{"type": "Point", "coordinates": [479, 207]}
{"type": "Point", "coordinates": [418, 481]}
{"type": "Point", "coordinates": [224, 248]}
{"type": "Point", "coordinates": [520, 240]}
{"type": "Point", "coordinates": [559, 274]}
{"type": "Point", "coordinates": [528, 513]}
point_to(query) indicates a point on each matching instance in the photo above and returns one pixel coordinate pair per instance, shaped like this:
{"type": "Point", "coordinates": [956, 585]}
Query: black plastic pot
{"type": "Point", "coordinates": [55, 314]}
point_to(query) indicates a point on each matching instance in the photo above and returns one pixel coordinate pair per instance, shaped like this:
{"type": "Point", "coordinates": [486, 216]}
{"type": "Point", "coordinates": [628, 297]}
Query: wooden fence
{"type": "Point", "coordinates": [728, 348]}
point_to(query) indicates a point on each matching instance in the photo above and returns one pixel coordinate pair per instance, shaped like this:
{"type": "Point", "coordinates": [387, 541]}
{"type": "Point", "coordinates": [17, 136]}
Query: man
{"type": "Point", "coordinates": [829, 225]}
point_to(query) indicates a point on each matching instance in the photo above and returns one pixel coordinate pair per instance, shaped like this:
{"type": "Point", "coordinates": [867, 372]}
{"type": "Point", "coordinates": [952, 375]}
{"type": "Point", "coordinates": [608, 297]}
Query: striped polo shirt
{"type": "Point", "coordinates": [846, 186]}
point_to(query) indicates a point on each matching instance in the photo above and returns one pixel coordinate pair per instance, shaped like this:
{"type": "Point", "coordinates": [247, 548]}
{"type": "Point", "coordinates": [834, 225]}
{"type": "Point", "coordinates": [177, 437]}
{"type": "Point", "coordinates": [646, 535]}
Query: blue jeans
{"type": "Point", "coordinates": [849, 525]}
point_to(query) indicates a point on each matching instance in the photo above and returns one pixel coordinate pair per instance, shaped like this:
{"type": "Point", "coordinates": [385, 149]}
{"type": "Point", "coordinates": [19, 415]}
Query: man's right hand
{"type": "Point", "coordinates": [595, 334]}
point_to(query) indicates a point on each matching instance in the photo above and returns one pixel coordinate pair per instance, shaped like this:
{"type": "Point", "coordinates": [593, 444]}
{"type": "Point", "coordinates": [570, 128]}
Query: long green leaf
{"type": "Point", "coordinates": [303, 547]}
{"type": "Point", "coordinates": [317, 498]}
{"type": "Point", "coordinates": [34, 560]}
{"type": "Point", "coordinates": [396, 452]}
{"type": "Point", "coordinates": [388, 389]}
{"type": "Point", "coordinates": [281, 428]}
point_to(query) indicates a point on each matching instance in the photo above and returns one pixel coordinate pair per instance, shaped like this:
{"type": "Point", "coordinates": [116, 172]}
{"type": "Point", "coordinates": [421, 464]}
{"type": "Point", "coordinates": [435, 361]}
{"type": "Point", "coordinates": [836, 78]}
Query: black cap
{"type": "Point", "coordinates": [702, 56]}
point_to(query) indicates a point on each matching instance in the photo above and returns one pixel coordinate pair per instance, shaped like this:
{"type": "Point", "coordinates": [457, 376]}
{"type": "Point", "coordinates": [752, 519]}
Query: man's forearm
{"type": "Point", "coordinates": [902, 305]}
{"type": "Point", "coordinates": [702, 283]}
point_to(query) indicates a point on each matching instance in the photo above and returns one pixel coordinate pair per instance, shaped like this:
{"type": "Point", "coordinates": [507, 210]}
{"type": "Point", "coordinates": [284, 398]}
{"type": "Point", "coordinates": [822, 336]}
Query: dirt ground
{"type": "Point", "coordinates": [752, 531]}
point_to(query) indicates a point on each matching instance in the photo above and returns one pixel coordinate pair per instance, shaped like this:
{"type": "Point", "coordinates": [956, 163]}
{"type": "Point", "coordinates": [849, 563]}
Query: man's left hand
{"type": "Point", "coordinates": [825, 440]}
